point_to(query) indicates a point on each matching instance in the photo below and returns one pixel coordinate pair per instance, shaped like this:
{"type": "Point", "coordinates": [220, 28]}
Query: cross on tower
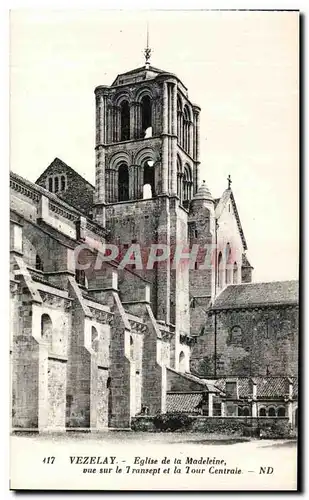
{"type": "Point", "coordinates": [229, 180]}
{"type": "Point", "coordinates": [147, 51]}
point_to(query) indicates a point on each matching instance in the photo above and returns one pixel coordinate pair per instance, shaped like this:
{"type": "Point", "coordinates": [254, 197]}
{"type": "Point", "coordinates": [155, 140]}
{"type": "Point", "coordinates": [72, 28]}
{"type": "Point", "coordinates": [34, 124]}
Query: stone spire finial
{"type": "Point", "coordinates": [203, 193]}
{"type": "Point", "coordinates": [147, 51]}
{"type": "Point", "coordinates": [229, 180]}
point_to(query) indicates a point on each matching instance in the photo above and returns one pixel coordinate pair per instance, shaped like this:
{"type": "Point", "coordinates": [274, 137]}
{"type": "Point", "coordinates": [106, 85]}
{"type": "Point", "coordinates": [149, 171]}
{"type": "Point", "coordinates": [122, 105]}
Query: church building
{"type": "Point", "coordinates": [91, 347]}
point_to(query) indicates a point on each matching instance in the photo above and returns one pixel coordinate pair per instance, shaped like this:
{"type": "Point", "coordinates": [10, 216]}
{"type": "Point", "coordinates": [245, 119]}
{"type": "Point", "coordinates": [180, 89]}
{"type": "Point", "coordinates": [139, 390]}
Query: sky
{"type": "Point", "coordinates": [241, 68]}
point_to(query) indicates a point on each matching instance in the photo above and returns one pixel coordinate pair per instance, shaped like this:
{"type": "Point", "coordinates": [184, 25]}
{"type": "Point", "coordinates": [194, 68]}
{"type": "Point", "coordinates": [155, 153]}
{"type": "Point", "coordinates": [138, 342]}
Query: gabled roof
{"type": "Point", "coordinates": [250, 295]}
{"type": "Point", "coordinates": [219, 207]}
{"type": "Point", "coordinates": [58, 162]}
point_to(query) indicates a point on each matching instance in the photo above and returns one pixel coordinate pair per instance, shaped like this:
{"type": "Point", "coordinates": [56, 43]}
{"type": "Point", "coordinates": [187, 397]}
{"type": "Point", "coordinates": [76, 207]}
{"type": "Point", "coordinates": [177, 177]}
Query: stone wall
{"type": "Point", "coordinates": [215, 425]}
{"type": "Point", "coordinates": [249, 342]}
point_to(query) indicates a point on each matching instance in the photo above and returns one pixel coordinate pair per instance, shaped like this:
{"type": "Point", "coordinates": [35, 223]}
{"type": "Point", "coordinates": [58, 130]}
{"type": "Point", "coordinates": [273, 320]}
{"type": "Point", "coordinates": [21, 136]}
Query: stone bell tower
{"type": "Point", "coordinates": [147, 159]}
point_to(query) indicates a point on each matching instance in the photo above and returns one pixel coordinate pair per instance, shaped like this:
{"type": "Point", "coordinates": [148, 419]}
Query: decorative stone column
{"type": "Point", "coordinates": [254, 398]}
{"type": "Point", "coordinates": [173, 186]}
{"type": "Point", "coordinates": [210, 404]}
{"type": "Point", "coordinates": [190, 149]}
{"type": "Point", "coordinates": [289, 401]}
{"type": "Point", "coordinates": [223, 409]}
{"type": "Point", "coordinates": [165, 141]}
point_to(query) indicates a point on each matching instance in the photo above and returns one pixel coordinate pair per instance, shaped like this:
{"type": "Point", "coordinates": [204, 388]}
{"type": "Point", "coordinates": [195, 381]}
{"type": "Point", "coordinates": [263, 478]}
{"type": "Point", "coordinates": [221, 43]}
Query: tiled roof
{"type": "Point", "coordinates": [272, 387]}
{"type": "Point", "coordinates": [266, 387]}
{"type": "Point", "coordinates": [257, 294]}
{"type": "Point", "coordinates": [183, 402]}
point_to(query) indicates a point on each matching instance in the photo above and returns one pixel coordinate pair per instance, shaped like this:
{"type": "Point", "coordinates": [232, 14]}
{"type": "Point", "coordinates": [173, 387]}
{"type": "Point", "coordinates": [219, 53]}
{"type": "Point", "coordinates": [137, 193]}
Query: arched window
{"type": "Point", "coordinates": [131, 348]}
{"type": "Point", "coordinates": [246, 411]}
{"type": "Point", "coordinates": [47, 329]}
{"type": "Point", "coordinates": [124, 121]}
{"type": "Point", "coordinates": [146, 116]}
{"type": "Point", "coordinates": [123, 182]}
{"type": "Point", "coordinates": [240, 411]}
{"type": "Point", "coordinates": [179, 178]}
{"type": "Point", "coordinates": [50, 184]}
{"type": "Point", "coordinates": [187, 183]}
{"type": "Point", "coordinates": [220, 271]}
{"type": "Point", "coordinates": [63, 183]}
{"type": "Point", "coordinates": [94, 339]}
{"type": "Point", "coordinates": [149, 179]}
{"type": "Point", "coordinates": [186, 129]}
{"type": "Point", "coordinates": [262, 412]}
{"type": "Point", "coordinates": [179, 121]}
{"type": "Point", "coordinates": [228, 268]}
{"type": "Point", "coordinates": [56, 184]}
{"type": "Point", "coordinates": [38, 263]}
{"type": "Point", "coordinates": [271, 412]}
{"type": "Point", "coordinates": [235, 273]}
{"type": "Point", "coordinates": [281, 412]}
{"type": "Point", "coordinates": [182, 362]}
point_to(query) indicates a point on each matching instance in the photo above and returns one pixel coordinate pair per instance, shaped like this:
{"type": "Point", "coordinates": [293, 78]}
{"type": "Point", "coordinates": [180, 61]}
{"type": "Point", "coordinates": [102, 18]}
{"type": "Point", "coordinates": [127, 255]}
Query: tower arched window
{"type": "Point", "coordinates": [50, 184]}
{"type": "Point", "coordinates": [179, 179]}
{"type": "Point", "coordinates": [179, 121]}
{"type": "Point", "coordinates": [146, 116]}
{"type": "Point", "coordinates": [123, 182]}
{"type": "Point", "coordinates": [262, 412]}
{"type": "Point", "coordinates": [63, 183]}
{"type": "Point", "coordinates": [149, 180]}
{"type": "Point", "coordinates": [187, 183]}
{"type": "Point", "coordinates": [56, 184]}
{"type": "Point", "coordinates": [220, 270]}
{"type": "Point", "coordinates": [124, 121]}
{"type": "Point", "coordinates": [235, 273]}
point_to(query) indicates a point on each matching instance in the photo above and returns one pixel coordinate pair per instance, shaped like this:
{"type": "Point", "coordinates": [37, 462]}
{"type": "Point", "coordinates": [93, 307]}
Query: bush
{"type": "Point", "coordinates": [172, 422]}
{"type": "Point", "coordinates": [276, 429]}
{"type": "Point", "coordinates": [250, 431]}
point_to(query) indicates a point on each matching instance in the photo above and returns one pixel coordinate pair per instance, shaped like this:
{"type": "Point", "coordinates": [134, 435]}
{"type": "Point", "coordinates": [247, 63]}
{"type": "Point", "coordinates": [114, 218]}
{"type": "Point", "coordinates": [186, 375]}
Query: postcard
{"type": "Point", "coordinates": [154, 219]}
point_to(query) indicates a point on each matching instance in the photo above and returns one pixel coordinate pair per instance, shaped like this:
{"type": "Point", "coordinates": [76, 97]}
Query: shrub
{"type": "Point", "coordinates": [276, 429]}
{"type": "Point", "coordinates": [172, 422]}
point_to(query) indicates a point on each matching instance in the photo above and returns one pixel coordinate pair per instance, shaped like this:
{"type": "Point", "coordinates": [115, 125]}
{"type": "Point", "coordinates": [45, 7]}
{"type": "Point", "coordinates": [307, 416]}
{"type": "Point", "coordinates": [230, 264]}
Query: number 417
{"type": "Point", "coordinates": [48, 460]}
